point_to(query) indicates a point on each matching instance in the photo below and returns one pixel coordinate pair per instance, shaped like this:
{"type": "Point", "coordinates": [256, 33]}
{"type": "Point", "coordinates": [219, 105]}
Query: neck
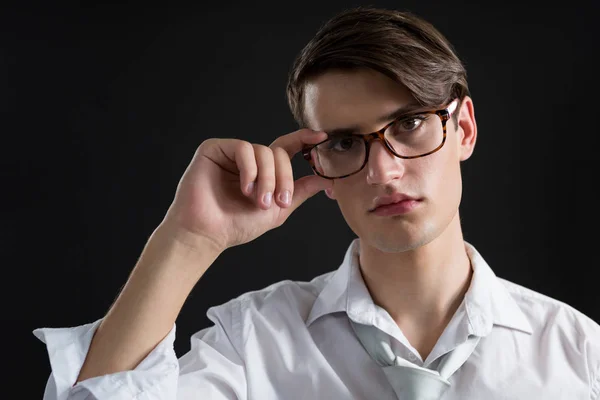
{"type": "Point", "coordinates": [421, 288]}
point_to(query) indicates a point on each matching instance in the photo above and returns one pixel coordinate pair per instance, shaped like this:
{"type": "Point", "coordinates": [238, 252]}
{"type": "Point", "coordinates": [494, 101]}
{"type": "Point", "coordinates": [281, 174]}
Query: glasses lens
{"type": "Point", "coordinates": [409, 136]}
{"type": "Point", "coordinates": [339, 156]}
{"type": "Point", "coordinates": [415, 135]}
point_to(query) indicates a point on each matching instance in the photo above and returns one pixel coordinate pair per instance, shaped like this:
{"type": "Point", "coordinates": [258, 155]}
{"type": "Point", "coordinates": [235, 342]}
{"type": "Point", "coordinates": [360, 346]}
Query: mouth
{"type": "Point", "coordinates": [400, 207]}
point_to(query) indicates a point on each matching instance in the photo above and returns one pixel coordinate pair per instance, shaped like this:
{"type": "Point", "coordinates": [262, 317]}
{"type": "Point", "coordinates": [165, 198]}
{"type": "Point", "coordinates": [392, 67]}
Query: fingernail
{"type": "Point", "coordinates": [284, 197]}
{"type": "Point", "coordinates": [267, 199]}
{"type": "Point", "coordinates": [250, 187]}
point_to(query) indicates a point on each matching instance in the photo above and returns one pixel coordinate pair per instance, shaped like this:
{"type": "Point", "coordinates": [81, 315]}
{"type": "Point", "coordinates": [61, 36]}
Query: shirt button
{"type": "Point", "coordinates": [412, 357]}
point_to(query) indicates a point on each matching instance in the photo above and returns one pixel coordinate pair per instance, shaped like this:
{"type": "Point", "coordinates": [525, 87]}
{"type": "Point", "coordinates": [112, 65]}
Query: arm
{"type": "Point", "coordinates": [222, 200]}
{"type": "Point", "coordinates": [148, 305]}
{"type": "Point", "coordinates": [213, 368]}
{"type": "Point", "coordinates": [213, 209]}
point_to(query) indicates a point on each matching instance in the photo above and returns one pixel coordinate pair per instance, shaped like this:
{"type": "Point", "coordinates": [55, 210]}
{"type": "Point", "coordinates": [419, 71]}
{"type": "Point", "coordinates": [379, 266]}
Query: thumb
{"type": "Point", "coordinates": [306, 187]}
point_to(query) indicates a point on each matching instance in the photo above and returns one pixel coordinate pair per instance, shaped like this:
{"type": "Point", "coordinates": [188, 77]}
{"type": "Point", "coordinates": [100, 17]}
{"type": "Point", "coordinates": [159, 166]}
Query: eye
{"type": "Point", "coordinates": [409, 124]}
{"type": "Point", "coordinates": [342, 144]}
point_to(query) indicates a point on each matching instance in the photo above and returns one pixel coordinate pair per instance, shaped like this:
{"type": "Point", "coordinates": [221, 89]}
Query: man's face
{"type": "Point", "coordinates": [343, 99]}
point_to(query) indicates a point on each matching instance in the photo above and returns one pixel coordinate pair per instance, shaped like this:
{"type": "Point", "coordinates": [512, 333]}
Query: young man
{"type": "Point", "coordinates": [413, 312]}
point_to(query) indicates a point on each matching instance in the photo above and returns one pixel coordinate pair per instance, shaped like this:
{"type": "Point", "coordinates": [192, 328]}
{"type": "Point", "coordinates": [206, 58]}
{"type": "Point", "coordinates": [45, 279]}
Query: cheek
{"type": "Point", "coordinates": [444, 178]}
{"type": "Point", "coordinates": [350, 197]}
{"type": "Point", "coordinates": [436, 175]}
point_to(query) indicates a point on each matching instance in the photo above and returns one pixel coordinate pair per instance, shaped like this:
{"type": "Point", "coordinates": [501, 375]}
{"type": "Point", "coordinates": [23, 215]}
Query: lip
{"type": "Point", "coordinates": [398, 208]}
{"type": "Point", "coordinates": [394, 198]}
{"type": "Point", "coordinates": [398, 203]}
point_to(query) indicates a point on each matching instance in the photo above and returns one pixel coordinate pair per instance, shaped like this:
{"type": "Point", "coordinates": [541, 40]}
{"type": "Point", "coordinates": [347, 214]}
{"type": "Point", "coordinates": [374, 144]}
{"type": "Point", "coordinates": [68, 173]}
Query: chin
{"type": "Point", "coordinates": [400, 239]}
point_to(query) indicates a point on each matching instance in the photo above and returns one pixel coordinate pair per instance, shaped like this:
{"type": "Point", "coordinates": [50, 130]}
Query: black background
{"type": "Point", "coordinates": [103, 107]}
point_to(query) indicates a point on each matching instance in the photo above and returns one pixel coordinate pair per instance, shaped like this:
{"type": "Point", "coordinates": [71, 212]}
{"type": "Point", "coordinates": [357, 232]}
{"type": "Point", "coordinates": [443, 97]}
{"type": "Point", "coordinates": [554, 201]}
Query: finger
{"type": "Point", "coordinates": [294, 142]}
{"type": "Point", "coordinates": [246, 164]}
{"type": "Point", "coordinates": [266, 175]}
{"type": "Point", "coordinates": [284, 177]}
{"type": "Point", "coordinates": [305, 188]}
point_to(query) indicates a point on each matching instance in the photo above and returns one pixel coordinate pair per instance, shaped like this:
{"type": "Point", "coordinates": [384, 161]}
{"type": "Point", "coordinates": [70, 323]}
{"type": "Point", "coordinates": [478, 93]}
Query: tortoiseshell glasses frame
{"type": "Point", "coordinates": [445, 114]}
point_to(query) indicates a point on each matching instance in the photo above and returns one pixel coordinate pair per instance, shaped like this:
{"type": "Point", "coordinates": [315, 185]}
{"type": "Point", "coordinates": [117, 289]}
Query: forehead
{"type": "Point", "coordinates": [358, 98]}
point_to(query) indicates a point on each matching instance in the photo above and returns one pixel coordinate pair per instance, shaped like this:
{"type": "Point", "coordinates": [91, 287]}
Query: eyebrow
{"type": "Point", "coordinates": [353, 130]}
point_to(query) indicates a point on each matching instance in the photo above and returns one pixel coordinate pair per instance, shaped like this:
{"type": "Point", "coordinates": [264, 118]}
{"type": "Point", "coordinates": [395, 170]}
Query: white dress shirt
{"type": "Point", "coordinates": [293, 340]}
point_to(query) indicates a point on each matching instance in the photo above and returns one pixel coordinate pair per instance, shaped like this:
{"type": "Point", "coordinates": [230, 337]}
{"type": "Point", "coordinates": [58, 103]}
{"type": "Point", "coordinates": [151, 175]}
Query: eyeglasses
{"type": "Point", "coordinates": [409, 136]}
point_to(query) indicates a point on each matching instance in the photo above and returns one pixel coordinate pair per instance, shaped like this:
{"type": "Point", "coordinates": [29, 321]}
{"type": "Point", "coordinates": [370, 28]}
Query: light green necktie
{"type": "Point", "coordinates": [410, 381]}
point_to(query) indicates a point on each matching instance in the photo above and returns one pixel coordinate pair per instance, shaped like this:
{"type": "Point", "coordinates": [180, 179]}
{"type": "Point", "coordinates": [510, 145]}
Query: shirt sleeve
{"type": "Point", "coordinates": [211, 369]}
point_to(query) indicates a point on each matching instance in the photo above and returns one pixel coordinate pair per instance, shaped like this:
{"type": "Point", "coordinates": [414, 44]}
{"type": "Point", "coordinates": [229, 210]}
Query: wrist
{"type": "Point", "coordinates": [175, 257]}
{"type": "Point", "coordinates": [187, 240]}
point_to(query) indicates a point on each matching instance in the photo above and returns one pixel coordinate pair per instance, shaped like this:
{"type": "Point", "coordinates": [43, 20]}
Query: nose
{"type": "Point", "coordinates": [383, 166]}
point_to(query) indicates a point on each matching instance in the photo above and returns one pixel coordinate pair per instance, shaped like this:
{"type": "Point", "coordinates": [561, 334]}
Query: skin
{"type": "Point", "coordinates": [414, 265]}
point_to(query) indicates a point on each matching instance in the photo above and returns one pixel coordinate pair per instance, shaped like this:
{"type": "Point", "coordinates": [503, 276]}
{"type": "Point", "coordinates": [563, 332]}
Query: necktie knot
{"type": "Point", "coordinates": [411, 381]}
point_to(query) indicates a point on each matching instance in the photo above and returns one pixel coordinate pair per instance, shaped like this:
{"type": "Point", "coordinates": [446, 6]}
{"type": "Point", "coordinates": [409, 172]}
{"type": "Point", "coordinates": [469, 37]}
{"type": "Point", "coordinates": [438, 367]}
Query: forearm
{"type": "Point", "coordinates": [149, 303]}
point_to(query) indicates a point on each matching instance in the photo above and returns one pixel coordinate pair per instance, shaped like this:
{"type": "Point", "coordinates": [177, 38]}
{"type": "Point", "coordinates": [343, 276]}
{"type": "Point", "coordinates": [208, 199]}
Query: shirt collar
{"type": "Point", "coordinates": [487, 301]}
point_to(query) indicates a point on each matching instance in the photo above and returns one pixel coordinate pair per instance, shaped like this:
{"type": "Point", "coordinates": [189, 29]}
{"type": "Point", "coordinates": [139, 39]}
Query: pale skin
{"type": "Point", "coordinates": [213, 210]}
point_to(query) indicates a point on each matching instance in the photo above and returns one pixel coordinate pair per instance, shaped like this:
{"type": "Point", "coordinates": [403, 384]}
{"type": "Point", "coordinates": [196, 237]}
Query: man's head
{"type": "Point", "coordinates": [365, 64]}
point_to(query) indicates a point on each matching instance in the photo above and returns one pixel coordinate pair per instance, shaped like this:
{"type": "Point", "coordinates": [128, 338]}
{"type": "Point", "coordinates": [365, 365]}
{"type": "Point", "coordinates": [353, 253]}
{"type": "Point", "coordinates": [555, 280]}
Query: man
{"type": "Point", "coordinates": [413, 312]}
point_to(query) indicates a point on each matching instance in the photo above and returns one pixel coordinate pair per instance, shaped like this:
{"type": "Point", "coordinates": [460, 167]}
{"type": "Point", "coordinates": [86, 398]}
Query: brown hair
{"type": "Point", "coordinates": [398, 44]}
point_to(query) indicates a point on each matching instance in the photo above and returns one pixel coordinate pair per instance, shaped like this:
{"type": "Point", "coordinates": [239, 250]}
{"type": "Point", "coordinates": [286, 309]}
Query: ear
{"type": "Point", "coordinates": [467, 129]}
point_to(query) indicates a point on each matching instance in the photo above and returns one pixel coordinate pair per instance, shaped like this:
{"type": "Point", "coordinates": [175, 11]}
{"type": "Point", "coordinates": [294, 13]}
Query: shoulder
{"type": "Point", "coordinates": [287, 296]}
{"type": "Point", "coordinates": [557, 324]}
{"type": "Point", "coordinates": [546, 312]}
